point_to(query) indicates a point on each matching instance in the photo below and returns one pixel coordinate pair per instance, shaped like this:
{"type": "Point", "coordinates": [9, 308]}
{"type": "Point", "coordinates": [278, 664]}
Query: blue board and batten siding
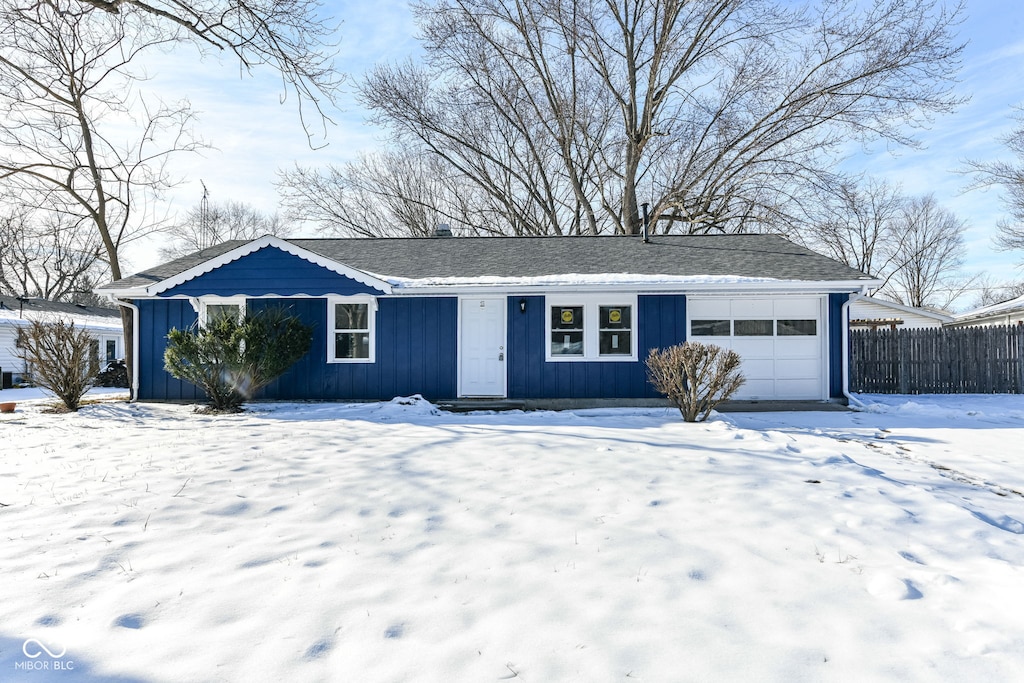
{"type": "Point", "coordinates": [270, 271]}
{"type": "Point", "coordinates": [661, 322]}
{"type": "Point", "coordinates": [834, 324]}
{"type": "Point", "coordinates": [415, 352]}
{"type": "Point", "coordinates": [156, 319]}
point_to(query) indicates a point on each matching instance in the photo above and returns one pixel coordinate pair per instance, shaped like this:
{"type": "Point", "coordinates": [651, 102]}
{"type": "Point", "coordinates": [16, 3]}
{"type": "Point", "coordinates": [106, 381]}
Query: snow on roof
{"type": "Point", "coordinates": [1000, 308]}
{"type": "Point", "coordinates": [570, 279]}
{"type": "Point", "coordinates": [92, 322]}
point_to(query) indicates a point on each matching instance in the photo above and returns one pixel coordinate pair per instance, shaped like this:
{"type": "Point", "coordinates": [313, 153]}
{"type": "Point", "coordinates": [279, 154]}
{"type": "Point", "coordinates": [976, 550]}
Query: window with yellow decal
{"type": "Point", "coordinates": [591, 327]}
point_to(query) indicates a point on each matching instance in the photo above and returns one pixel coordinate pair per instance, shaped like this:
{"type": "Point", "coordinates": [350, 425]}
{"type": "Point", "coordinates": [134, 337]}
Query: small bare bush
{"type": "Point", "coordinates": [60, 360]}
{"type": "Point", "coordinates": [695, 377]}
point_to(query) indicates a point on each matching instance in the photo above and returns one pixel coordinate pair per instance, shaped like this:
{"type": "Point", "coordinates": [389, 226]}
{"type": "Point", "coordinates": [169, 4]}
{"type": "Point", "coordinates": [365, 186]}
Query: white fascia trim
{"type": "Point", "coordinates": [249, 248]}
{"type": "Point", "coordinates": [131, 293]}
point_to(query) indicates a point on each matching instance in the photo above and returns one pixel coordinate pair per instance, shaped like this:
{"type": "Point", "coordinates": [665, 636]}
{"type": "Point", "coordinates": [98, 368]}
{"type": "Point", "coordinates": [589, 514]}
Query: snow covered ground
{"type": "Point", "coordinates": [391, 542]}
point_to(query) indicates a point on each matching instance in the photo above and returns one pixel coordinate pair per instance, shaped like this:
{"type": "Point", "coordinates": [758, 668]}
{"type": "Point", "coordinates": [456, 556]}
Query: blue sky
{"type": "Point", "coordinates": [255, 134]}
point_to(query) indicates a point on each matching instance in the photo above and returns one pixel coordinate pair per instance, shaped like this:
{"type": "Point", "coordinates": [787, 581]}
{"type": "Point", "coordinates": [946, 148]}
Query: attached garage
{"type": "Point", "coordinates": [780, 340]}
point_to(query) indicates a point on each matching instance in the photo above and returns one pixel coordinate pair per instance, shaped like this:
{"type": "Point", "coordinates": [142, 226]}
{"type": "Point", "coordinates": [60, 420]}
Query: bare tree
{"type": "Point", "coordinates": [856, 221]}
{"type": "Point", "coordinates": [567, 115]}
{"type": "Point", "coordinates": [1010, 176]}
{"type": "Point", "coordinates": [206, 225]}
{"type": "Point", "coordinates": [914, 245]}
{"type": "Point", "coordinates": [392, 193]}
{"type": "Point", "coordinates": [48, 255]}
{"type": "Point", "coordinates": [996, 292]}
{"type": "Point", "coordinates": [929, 257]}
{"type": "Point", "coordinates": [294, 37]}
{"type": "Point", "coordinates": [78, 139]}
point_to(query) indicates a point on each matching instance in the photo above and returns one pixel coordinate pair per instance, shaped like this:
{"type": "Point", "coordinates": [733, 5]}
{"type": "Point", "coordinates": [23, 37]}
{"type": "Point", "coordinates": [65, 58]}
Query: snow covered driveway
{"type": "Point", "coordinates": [389, 542]}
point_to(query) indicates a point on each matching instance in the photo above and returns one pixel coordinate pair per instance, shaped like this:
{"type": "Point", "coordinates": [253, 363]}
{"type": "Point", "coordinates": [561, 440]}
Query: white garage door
{"type": "Point", "coordinates": [780, 341]}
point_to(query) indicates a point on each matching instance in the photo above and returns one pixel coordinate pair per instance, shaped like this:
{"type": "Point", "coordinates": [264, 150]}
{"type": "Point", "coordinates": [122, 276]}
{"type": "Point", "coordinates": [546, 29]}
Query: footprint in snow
{"type": "Point", "coordinates": [887, 587]}
{"type": "Point", "coordinates": [231, 510]}
{"type": "Point", "coordinates": [132, 621]}
{"type": "Point", "coordinates": [395, 631]}
{"type": "Point", "coordinates": [319, 649]}
{"type": "Point", "coordinates": [910, 557]}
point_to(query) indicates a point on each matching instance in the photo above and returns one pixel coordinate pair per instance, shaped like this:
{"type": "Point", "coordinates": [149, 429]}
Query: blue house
{"type": "Point", "coordinates": [509, 317]}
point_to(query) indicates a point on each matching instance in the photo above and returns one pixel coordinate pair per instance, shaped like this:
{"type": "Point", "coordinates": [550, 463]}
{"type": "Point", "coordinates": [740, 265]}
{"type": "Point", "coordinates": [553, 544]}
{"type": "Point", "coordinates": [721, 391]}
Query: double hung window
{"type": "Point", "coordinates": [351, 326]}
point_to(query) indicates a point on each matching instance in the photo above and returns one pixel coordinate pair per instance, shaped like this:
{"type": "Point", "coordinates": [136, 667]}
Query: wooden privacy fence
{"type": "Point", "coordinates": [944, 360]}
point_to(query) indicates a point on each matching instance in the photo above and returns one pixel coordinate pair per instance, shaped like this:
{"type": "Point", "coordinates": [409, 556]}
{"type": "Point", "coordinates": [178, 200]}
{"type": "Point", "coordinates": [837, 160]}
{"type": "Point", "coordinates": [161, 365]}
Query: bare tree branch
{"type": "Point", "coordinates": [1010, 177]}
{"type": "Point", "coordinates": [78, 140]}
{"type": "Point", "coordinates": [48, 255]}
{"type": "Point", "coordinates": [566, 115]}
{"type": "Point", "coordinates": [220, 222]}
{"type": "Point", "coordinates": [294, 37]}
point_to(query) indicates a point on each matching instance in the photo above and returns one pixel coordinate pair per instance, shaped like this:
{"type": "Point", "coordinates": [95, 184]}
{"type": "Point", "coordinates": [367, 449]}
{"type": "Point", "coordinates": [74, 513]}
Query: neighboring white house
{"type": "Point", "coordinates": [1005, 313]}
{"type": "Point", "coordinates": [872, 313]}
{"type": "Point", "coordinates": [103, 324]}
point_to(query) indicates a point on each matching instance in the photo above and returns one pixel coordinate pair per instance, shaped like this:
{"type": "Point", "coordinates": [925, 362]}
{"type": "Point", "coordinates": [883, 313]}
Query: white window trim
{"type": "Point", "coordinates": [118, 353]}
{"type": "Point", "coordinates": [205, 301]}
{"type": "Point", "coordinates": [371, 316]}
{"type": "Point", "coordinates": [591, 304]}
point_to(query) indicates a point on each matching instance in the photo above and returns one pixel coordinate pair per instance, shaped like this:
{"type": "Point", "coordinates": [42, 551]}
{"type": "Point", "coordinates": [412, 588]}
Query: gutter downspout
{"type": "Point", "coordinates": [845, 315]}
{"type": "Point", "coordinates": [135, 343]}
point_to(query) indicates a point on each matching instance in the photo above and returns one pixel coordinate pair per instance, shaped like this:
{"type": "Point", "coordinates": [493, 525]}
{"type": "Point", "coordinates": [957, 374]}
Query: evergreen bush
{"type": "Point", "coordinates": [232, 359]}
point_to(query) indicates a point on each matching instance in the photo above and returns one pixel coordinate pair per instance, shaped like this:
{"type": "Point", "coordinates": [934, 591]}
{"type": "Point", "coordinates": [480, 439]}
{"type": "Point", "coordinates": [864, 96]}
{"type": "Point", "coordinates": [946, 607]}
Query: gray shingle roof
{"type": "Point", "coordinates": [761, 256]}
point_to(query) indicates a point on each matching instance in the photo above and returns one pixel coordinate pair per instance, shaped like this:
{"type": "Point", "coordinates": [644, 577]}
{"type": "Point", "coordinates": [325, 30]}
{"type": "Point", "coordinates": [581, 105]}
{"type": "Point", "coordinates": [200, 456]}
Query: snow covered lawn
{"type": "Point", "coordinates": [390, 542]}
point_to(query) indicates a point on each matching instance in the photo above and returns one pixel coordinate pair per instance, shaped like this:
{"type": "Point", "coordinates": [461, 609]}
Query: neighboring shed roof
{"type": "Point", "coordinates": [864, 312]}
{"type": "Point", "coordinates": [1003, 308]}
{"type": "Point", "coordinates": [404, 259]}
{"type": "Point", "coordinates": [13, 309]}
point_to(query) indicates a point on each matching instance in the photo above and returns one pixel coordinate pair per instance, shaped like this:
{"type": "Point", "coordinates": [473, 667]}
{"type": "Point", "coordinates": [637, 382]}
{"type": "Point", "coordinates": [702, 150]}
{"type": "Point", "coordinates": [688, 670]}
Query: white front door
{"type": "Point", "coordinates": [482, 344]}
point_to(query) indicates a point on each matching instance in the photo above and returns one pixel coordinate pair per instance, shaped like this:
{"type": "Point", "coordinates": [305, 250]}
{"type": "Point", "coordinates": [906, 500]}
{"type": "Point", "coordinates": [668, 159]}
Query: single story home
{"type": "Point", "coordinates": [510, 317]}
{"type": "Point", "coordinates": [874, 313]}
{"type": "Point", "coordinates": [102, 323]}
{"type": "Point", "coordinates": [1004, 313]}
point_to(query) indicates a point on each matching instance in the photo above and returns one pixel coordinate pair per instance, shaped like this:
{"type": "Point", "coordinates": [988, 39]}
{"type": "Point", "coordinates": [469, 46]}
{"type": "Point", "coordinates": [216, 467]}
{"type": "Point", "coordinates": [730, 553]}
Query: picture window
{"type": "Point", "coordinates": [592, 327]}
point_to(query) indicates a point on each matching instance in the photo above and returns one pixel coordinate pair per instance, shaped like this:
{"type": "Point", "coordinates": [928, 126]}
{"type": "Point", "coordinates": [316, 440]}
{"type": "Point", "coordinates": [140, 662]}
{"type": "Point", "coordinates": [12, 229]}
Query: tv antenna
{"type": "Point", "coordinates": [205, 236]}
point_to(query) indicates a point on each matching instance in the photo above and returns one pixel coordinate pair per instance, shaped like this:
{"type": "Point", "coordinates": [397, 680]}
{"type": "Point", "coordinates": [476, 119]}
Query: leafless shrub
{"type": "Point", "coordinates": [695, 377]}
{"type": "Point", "coordinates": [59, 355]}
